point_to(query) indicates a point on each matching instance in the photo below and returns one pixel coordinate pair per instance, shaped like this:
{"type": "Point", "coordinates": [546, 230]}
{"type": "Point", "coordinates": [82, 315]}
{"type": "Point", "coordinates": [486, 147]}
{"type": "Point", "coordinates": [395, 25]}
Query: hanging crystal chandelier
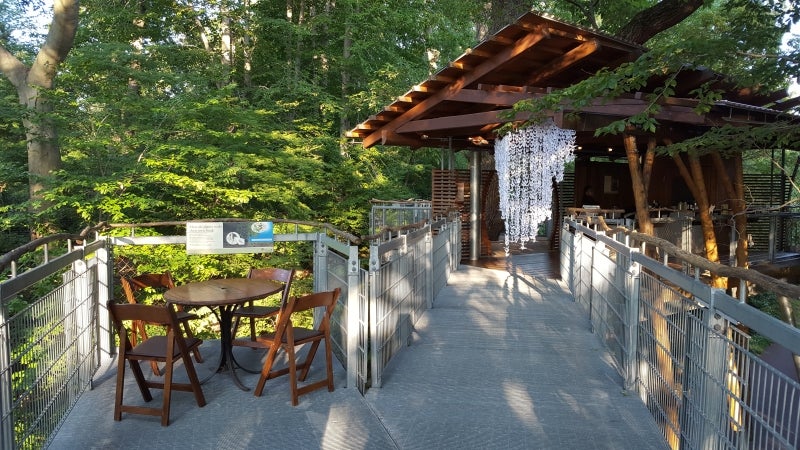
{"type": "Point", "coordinates": [527, 161]}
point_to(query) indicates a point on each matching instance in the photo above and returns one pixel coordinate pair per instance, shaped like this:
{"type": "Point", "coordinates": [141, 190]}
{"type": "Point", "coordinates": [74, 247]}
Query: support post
{"type": "Point", "coordinates": [475, 206]}
{"type": "Point", "coordinates": [6, 419]}
{"type": "Point", "coordinates": [354, 314]}
{"type": "Point", "coordinates": [631, 325]}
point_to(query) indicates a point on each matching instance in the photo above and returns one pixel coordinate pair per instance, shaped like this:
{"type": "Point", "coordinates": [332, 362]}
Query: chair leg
{"type": "Point", "coordinates": [265, 370]}
{"type": "Point", "coordinates": [120, 384]}
{"type": "Point", "coordinates": [167, 390]}
{"type": "Point", "coordinates": [194, 381]}
{"type": "Point", "coordinates": [329, 364]}
{"type": "Point", "coordinates": [292, 373]}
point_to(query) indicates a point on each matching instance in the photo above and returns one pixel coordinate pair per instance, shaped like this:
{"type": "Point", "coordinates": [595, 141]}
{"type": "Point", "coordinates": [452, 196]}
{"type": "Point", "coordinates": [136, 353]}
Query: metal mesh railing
{"type": "Point", "coordinates": [387, 214]}
{"type": "Point", "coordinates": [336, 275]}
{"type": "Point", "coordinates": [403, 279]}
{"type": "Point", "coordinates": [683, 347]}
{"type": "Point", "coordinates": [53, 355]}
{"type": "Point", "coordinates": [50, 349]}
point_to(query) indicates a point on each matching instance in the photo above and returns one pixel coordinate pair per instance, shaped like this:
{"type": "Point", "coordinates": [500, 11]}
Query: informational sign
{"type": "Point", "coordinates": [208, 238]}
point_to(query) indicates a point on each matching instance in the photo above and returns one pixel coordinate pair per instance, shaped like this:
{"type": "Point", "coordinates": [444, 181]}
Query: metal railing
{"type": "Point", "coordinates": [684, 346]}
{"type": "Point", "coordinates": [393, 213]}
{"type": "Point", "coordinates": [51, 348]}
{"type": "Point", "coordinates": [404, 278]}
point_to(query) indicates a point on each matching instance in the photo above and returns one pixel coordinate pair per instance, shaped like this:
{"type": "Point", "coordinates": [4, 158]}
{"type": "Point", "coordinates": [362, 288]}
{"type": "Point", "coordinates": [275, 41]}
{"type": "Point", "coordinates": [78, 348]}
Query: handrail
{"type": "Point", "coordinates": [753, 276]}
{"type": "Point", "coordinates": [15, 254]}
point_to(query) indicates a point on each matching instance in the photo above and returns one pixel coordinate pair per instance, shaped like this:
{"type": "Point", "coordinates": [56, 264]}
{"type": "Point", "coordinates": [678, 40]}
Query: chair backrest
{"type": "Point", "coordinates": [326, 299]}
{"type": "Point", "coordinates": [133, 312]}
{"type": "Point", "coordinates": [159, 314]}
{"type": "Point", "coordinates": [133, 286]}
{"type": "Point", "coordinates": [284, 276]}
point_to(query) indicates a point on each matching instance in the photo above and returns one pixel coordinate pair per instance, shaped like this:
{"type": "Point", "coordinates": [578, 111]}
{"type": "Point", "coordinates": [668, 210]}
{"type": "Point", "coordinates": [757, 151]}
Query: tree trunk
{"type": "Point", "coordinates": [347, 43]}
{"type": "Point", "coordinates": [706, 222]}
{"type": "Point", "coordinates": [44, 156]}
{"type": "Point", "coordinates": [649, 160]}
{"type": "Point", "coordinates": [738, 206]}
{"type": "Point", "coordinates": [659, 17]}
{"type": "Point", "coordinates": [657, 311]}
{"type": "Point", "coordinates": [500, 13]}
{"type": "Point", "coordinates": [637, 185]}
{"type": "Point", "coordinates": [693, 176]}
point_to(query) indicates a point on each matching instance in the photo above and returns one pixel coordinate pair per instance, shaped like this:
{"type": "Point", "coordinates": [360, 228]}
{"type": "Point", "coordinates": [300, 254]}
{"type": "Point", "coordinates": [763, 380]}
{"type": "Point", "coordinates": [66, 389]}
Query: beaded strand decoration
{"type": "Point", "coordinates": [527, 161]}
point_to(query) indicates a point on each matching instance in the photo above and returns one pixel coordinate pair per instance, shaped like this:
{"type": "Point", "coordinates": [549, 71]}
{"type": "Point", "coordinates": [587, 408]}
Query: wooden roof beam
{"type": "Point", "coordinates": [785, 105]}
{"type": "Point", "coordinates": [501, 88]}
{"type": "Point", "coordinates": [668, 112]}
{"type": "Point", "coordinates": [498, 98]}
{"type": "Point", "coordinates": [388, 138]}
{"type": "Point", "coordinates": [565, 61]}
{"type": "Point", "coordinates": [461, 121]}
{"type": "Point", "coordinates": [520, 46]}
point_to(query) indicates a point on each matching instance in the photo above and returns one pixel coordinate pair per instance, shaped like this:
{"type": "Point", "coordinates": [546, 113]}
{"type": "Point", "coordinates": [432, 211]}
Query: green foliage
{"type": "Point", "coordinates": [155, 126]}
{"type": "Point", "coordinates": [738, 38]}
{"type": "Point", "coordinates": [158, 122]}
{"type": "Point", "coordinates": [766, 302]}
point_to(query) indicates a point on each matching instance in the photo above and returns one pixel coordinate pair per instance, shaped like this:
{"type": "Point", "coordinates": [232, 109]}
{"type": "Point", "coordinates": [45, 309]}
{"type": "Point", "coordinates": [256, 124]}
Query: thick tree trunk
{"type": "Point", "coordinates": [500, 13]}
{"type": "Point", "coordinates": [658, 310]}
{"type": "Point", "coordinates": [693, 176]}
{"type": "Point", "coordinates": [706, 222]}
{"type": "Point", "coordinates": [736, 202]}
{"type": "Point", "coordinates": [638, 187]}
{"type": "Point", "coordinates": [44, 156]}
{"type": "Point", "coordinates": [739, 208]}
{"type": "Point", "coordinates": [659, 17]}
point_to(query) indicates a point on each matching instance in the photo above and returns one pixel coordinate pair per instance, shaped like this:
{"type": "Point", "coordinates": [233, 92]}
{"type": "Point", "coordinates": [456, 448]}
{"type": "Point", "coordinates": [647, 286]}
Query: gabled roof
{"type": "Point", "coordinates": [463, 104]}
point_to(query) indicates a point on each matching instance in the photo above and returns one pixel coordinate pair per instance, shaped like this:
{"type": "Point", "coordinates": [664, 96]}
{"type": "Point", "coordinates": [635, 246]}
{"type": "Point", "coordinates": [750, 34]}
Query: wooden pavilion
{"type": "Point", "coordinates": [463, 105]}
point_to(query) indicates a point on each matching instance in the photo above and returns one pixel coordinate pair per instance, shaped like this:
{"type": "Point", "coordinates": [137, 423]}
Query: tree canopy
{"type": "Point", "coordinates": [173, 110]}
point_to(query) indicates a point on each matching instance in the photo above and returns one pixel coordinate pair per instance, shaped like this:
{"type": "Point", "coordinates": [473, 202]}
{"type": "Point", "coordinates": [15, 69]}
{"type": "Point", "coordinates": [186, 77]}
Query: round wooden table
{"type": "Point", "coordinates": [225, 294]}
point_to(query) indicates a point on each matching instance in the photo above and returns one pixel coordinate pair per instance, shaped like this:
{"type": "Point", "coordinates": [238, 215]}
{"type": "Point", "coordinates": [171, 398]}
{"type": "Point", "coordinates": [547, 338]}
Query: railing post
{"type": "Point", "coordinates": [428, 261]}
{"type": "Point", "coordinates": [374, 303]}
{"type": "Point", "coordinates": [596, 247]}
{"type": "Point", "coordinates": [354, 322]}
{"type": "Point", "coordinates": [6, 419]}
{"type": "Point", "coordinates": [320, 264]}
{"type": "Point", "coordinates": [577, 267]}
{"type": "Point", "coordinates": [706, 368]}
{"type": "Point", "coordinates": [773, 241]}
{"type": "Point", "coordinates": [105, 292]}
{"type": "Point", "coordinates": [631, 325]}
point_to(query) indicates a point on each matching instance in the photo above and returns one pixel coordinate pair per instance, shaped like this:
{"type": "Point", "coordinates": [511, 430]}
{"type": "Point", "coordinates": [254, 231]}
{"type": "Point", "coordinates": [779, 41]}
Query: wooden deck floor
{"type": "Point", "coordinates": [536, 260]}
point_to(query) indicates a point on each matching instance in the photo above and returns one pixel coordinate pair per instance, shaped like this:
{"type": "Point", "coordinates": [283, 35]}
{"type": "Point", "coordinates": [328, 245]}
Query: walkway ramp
{"type": "Point", "coordinates": [508, 362]}
{"type": "Point", "coordinates": [500, 362]}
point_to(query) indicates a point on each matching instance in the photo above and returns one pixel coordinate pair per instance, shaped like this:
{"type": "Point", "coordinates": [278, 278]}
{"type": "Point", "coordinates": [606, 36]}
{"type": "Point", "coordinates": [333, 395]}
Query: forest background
{"type": "Point", "coordinates": [173, 110]}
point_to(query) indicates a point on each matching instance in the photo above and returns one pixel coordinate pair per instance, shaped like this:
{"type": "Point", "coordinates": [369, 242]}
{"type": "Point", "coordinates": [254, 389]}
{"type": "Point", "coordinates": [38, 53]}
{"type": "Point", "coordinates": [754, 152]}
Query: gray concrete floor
{"type": "Point", "coordinates": [501, 361]}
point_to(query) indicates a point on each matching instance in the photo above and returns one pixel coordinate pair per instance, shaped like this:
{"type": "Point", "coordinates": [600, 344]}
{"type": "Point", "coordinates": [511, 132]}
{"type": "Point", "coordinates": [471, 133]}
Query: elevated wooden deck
{"type": "Point", "coordinates": [536, 260]}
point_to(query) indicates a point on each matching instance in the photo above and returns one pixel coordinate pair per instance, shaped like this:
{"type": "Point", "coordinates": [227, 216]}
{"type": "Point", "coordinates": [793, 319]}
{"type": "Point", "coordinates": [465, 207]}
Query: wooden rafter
{"type": "Point", "coordinates": [565, 61]}
{"type": "Point", "coordinates": [526, 42]}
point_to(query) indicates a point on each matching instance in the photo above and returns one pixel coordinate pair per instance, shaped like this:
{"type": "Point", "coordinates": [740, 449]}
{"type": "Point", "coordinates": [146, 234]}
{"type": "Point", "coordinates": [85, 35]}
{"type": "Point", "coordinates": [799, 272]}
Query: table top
{"type": "Point", "coordinates": [225, 291]}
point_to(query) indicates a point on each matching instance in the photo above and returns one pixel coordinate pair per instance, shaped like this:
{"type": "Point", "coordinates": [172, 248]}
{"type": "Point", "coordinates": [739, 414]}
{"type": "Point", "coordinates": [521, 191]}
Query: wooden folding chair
{"type": "Point", "coordinates": [169, 348]}
{"type": "Point", "coordinates": [288, 337]}
{"type": "Point", "coordinates": [252, 311]}
{"type": "Point", "coordinates": [135, 289]}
